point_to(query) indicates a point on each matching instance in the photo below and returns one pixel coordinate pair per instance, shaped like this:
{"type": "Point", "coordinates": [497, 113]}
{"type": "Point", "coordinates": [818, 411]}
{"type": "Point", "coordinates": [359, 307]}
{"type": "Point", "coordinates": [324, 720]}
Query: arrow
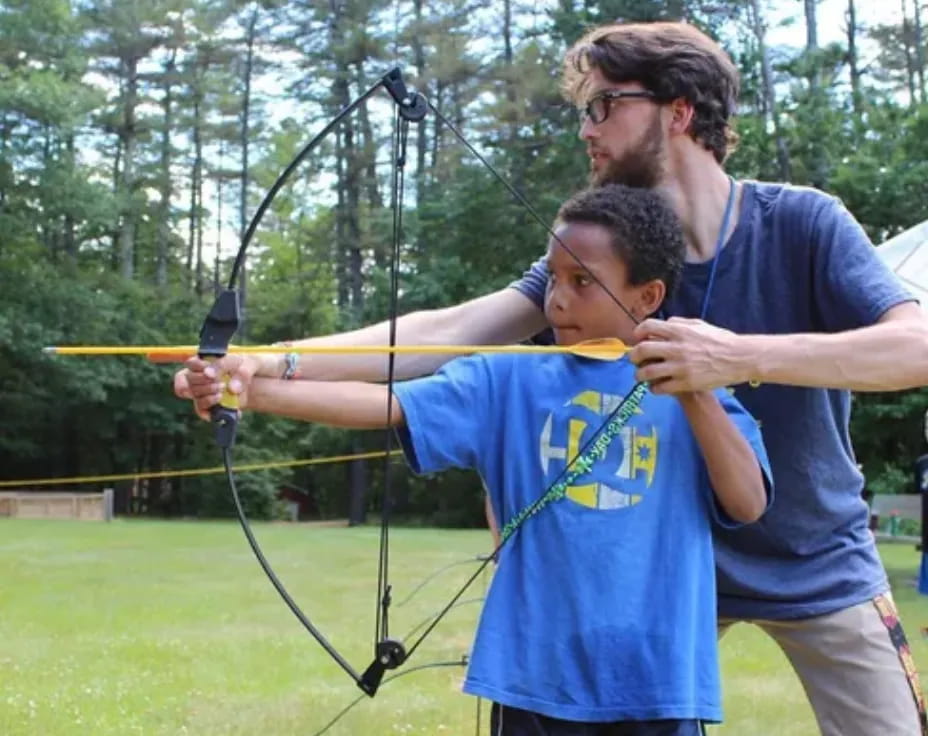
{"type": "Point", "coordinates": [605, 349]}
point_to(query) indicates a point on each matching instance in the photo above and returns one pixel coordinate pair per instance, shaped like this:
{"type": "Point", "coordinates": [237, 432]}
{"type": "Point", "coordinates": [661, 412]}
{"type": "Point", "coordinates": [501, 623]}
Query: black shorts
{"type": "Point", "coordinates": [508, 721]}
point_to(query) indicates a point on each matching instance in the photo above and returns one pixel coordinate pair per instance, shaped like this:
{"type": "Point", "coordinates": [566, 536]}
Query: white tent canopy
{"type": "Point", "coordinates": [907, 255]}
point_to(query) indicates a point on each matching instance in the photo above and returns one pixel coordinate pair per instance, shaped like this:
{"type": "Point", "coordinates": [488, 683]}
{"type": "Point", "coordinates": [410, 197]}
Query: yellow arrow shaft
{"type": "Point", "coordinates": [614, 348]}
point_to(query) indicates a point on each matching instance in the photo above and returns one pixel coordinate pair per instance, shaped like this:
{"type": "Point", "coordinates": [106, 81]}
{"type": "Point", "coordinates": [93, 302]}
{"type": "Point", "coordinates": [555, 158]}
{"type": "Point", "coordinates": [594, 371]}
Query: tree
{"type": "Point", "coordinates": [124, 34]}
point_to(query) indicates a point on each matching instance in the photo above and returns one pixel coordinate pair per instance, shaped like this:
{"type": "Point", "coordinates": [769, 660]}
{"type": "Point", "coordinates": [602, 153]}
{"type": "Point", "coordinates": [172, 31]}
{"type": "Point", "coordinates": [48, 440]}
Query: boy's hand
{"type": "Point", "coordinates": [201, 381]}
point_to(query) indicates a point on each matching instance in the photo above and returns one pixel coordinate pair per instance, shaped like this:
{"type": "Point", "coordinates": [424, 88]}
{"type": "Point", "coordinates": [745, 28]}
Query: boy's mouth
{"type": "Point", "coordinates": [565, 330]}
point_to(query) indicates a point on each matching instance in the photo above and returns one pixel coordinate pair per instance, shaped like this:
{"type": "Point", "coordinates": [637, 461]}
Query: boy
{"type": "Point", "coordinates": [601, 615]}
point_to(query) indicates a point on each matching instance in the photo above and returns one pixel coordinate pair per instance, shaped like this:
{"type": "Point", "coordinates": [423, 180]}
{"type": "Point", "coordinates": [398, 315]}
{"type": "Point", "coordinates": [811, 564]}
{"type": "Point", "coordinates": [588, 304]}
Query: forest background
{"type": "Point", "coordinates": [137, 139]}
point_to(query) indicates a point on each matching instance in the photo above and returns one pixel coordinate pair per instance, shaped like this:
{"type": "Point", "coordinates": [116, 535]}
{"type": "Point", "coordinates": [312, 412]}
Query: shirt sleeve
{"type": "Point", "coordinates": [534, 282]}
{"type": "Point", "coordinates": [747, 425]}
{"type": "Point", "coordinates": [852, 285]}
{"type": "Point", "coordinates": [448, 422]}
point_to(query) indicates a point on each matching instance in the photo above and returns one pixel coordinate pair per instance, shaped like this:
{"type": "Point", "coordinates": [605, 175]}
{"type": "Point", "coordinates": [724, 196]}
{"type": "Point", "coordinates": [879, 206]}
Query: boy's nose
{"type": "Point", "coordinates": [557, 300]}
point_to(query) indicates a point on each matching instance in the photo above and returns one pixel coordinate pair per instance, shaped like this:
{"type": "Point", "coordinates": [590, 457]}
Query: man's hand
{"type": "Point", "coordinates": [201, 381]}
{"type": "Point", "coordinates": [680, 355]}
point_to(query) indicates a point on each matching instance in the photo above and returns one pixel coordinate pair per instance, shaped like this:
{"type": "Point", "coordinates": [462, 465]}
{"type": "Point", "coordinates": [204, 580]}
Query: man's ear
{"type": "Point", "coordinates": [681, 113]}
{"type": "Point", "coordinates": [650, 297]}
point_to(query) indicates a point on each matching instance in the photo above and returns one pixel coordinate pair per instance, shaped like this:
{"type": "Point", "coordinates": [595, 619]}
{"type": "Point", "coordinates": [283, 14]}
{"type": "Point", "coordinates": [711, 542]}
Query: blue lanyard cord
{"type": "Point", "coordinates": [718, 248]}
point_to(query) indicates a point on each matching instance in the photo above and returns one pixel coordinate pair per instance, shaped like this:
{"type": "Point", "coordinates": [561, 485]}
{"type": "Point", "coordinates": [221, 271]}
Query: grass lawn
{"type": "Point", "coordinates": [170, 628]}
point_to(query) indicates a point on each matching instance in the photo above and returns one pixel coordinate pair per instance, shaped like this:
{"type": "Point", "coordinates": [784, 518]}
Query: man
{"type": "Point", "coordinates": [574, 595]}
{"type": "Point", "coordinates": [801, 312]}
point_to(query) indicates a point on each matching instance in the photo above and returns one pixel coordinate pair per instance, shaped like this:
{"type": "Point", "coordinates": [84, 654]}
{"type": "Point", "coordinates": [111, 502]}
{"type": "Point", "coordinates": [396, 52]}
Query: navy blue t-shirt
{"type": "Point", "coordinates": [796, 262]}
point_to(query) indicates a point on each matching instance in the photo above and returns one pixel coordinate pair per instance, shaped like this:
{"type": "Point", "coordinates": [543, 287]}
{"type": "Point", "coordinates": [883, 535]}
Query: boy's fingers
{"type": "Point", "coordinates": [182, 385]}
{"type": "Point", "coordinates": [195, 364]}
{"type": "Point", "coordinates": [194, 384]}
{"type": "Point", "coordinates": [204, 403]}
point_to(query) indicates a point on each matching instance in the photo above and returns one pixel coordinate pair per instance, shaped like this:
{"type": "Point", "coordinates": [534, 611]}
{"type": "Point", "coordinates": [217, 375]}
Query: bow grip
{"type": "Point", "coordinates": [218, 329]}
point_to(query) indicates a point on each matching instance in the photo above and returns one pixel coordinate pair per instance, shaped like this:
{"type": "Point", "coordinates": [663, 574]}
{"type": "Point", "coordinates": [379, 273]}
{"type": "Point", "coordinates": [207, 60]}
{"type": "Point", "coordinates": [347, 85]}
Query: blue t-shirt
{"type": "Point", "coordinates": [796, 262]}
{"type": "Point", "coordinates": [602, 607]}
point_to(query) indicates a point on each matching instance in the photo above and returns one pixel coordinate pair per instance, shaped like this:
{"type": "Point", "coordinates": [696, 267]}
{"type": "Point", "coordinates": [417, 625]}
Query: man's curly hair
{"type": "Point", "coordinates": [672, 60]}
{"type": "Point", "coordinates": [646, 233]}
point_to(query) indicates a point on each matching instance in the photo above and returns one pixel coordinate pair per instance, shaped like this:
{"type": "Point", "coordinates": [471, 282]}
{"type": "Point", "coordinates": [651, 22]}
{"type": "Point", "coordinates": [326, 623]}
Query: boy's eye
{"type": "Point", "coordinates": [582, 279]}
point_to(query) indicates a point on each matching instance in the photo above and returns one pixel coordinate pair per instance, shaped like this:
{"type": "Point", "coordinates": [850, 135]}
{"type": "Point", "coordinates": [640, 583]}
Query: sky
{"type": "Point", "coordinates": [831, 19]}
{"type": "Point", "coordinates": [786, 33]}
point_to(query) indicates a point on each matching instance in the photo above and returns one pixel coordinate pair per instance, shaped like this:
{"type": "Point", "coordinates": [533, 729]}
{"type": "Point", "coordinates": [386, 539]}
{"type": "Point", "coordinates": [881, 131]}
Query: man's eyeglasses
{"type": "Point", "coordinates": [598, 106]}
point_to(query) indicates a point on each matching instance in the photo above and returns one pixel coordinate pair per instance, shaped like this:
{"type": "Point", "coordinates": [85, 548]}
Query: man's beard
{"type": "Point", "coordinates": [642, 166]}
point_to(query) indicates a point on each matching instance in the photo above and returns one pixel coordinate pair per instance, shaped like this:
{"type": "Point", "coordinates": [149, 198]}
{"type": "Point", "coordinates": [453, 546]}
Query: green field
{"type": "Point", "coordinates": [170, 628]}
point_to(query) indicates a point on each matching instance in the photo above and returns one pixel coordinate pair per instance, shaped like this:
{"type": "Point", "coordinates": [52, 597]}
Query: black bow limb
{"type": "Point", "coordinates": [220, 327]}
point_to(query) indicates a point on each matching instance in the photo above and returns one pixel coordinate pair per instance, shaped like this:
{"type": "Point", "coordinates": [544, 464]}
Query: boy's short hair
{"type": "Point", "coordinates": [672, 60]}
{"type": "Point", "coordinates": [646, 233]}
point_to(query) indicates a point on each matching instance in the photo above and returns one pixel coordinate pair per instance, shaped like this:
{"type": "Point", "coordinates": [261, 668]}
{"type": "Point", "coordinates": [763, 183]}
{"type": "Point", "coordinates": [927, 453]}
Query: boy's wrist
{"type": "Point", "coordinates": [696, 399]}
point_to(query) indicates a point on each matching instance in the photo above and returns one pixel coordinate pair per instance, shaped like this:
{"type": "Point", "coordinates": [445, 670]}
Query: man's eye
{"type": "Point", "coordinates": [582, 279]}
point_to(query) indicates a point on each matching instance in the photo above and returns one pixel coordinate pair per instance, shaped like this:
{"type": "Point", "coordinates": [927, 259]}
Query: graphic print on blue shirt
{"type": "Point", "coordinates": [602, 607]}
{"type": "Point", "coordinates": [631, 454]}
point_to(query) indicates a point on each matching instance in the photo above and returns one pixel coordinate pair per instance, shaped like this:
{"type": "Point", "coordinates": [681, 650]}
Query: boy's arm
{"type": "Point", "coordinates": [734, 471]}
{"type": "Point", "coordinates": [491, 521]}
{"type": "Point", "coordinates": [505, 316]}
{"type": "Point", "coordinates": [350, 404]}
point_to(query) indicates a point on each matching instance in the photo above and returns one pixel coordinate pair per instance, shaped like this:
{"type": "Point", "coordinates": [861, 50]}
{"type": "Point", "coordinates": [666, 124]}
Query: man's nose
{"type": "Point", "coordinates": [587, 129]}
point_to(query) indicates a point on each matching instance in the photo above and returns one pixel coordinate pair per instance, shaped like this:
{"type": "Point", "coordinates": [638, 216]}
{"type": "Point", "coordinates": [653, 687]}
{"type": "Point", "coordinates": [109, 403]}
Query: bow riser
{"type": "Point", "coordinates": [217, 330]}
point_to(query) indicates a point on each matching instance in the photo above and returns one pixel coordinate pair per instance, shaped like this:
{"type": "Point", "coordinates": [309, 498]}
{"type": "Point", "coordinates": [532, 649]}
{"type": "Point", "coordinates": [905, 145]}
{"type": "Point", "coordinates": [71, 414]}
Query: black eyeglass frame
{"type": "Point", "coordinates": [586, 112]}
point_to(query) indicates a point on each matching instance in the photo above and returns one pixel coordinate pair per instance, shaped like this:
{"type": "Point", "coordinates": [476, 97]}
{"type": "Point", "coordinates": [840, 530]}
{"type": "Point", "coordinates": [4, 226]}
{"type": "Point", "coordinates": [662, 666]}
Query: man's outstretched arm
{"type": "Point", "coordinates": [505, 316]}
{"type": "Point", "coordinates": [691, 355]}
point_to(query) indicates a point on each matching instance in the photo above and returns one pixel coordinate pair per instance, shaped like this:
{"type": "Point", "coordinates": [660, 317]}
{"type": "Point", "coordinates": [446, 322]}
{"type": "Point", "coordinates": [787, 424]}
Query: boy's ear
{"type": "Point", "coordinates": [650, 297]}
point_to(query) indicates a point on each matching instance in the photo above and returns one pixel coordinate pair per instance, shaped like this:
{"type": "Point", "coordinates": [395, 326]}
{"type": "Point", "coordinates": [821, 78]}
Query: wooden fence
{"type": "Point", "coordinates": [57, 505]}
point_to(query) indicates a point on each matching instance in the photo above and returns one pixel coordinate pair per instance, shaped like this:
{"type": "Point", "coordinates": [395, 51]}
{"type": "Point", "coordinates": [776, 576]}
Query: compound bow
{"type": "Point", "coordinates": [223, 320]}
